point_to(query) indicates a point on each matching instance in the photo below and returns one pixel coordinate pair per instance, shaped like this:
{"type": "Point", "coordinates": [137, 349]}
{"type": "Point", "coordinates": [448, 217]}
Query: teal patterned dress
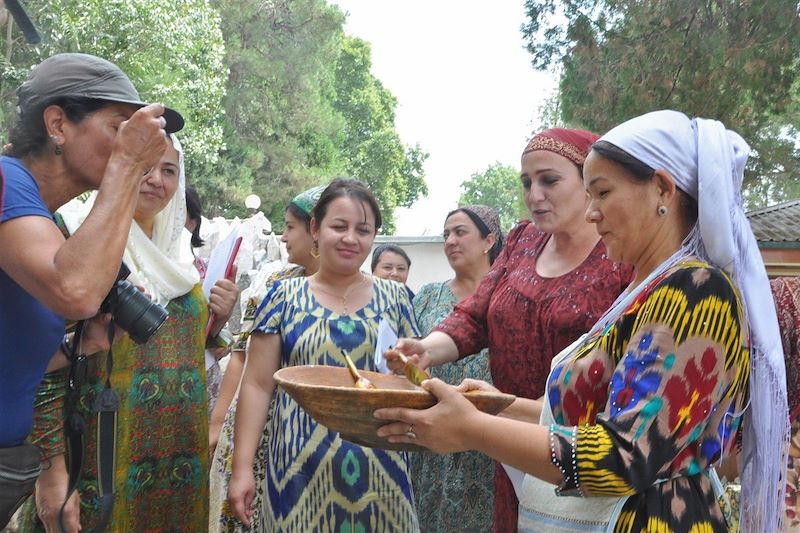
{"type": "Point", "coordinates": [315, 480]}
{"type": "Point", "coordinates": [453, 492]}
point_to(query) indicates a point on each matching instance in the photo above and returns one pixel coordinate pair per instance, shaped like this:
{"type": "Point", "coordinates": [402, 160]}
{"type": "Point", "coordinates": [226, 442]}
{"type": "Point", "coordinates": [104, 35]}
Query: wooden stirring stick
{"type": "Point", "coordinates": [361, 381]}
{"type": "Point", "coordinates": [414, 374]}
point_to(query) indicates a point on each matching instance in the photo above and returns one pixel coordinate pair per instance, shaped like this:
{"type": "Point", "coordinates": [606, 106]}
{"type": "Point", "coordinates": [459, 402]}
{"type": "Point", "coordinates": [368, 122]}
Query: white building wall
{"type": "Point", "coordinates": [428, 262]}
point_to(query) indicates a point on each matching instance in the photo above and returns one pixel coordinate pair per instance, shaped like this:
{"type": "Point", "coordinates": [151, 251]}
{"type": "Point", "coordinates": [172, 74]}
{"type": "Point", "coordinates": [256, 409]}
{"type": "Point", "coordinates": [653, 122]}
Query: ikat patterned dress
{"type": "Point", "coordinates": [645, 407]}
{"type": "Point", "coordinates": [162, 436]}
{"type": "Point", "coordinates": [317, 482]}
{"type": "Point", "coordinates": [454, 491]}
{"type": "Point", "coordinates": [525, 320]}
{"type": "Point", "coordinates": [220, 516]}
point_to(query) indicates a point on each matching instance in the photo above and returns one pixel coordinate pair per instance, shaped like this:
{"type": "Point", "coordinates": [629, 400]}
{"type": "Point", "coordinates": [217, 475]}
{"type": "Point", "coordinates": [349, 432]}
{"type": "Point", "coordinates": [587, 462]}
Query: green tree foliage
{"type": "Point", "coordinates": [370, 145]}
{"type": "Point", "coordinates": [172, 51]}
{"type": "Point", "coordinates": [280, 126]}
{"type": "Point", "coordinates": [277, 98]}
{"type": "Point", "coordinates": [498, 186]}
{"type": "Point", "coordinates": [732, 60]}
{"type": "Point", "coordinates": [302, 108]}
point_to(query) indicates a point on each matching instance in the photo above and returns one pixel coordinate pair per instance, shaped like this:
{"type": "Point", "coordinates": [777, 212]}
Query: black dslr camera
{"type": "Point", "coordinates": [133, 311]}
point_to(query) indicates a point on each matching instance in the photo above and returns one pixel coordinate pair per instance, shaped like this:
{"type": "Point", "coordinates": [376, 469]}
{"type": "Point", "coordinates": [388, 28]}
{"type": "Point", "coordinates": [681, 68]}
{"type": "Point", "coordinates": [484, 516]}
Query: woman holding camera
{"type": "Point", "coordinates": [80, 126]}
{"type": "Point", "coordinates": [162, 438]}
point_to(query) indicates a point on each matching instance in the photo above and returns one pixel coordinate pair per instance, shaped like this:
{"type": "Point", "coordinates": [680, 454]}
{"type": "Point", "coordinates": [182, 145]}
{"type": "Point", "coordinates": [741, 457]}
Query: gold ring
{"type": "Point", "coordinates": [410, 432]}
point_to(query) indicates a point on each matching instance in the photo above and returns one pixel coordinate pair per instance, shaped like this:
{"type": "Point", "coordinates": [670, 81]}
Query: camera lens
{"type": "Point", "coordinates": [137, 314]}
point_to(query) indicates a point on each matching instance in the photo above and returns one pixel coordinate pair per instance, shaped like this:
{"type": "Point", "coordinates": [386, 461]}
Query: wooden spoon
{"type": "Point", "coordinates": [360, 381]}
{"type": "Point", "coordinates": [414, 374]}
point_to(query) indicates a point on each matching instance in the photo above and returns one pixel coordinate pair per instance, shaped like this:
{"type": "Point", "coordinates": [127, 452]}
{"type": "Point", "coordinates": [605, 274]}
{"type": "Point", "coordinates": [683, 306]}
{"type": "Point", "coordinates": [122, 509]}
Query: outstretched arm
{"type": "Point", "coordinates": [454, 425]}
{"type": "Point", "coordinates": [435, 349]}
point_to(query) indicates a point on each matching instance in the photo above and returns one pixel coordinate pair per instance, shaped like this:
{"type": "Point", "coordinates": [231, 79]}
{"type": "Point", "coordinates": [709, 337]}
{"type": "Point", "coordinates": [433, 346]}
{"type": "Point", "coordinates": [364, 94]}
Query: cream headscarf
{"type": "Point", "coordinates": [164, 266]}
{"type": "Point", "coordinates": [707, 162]}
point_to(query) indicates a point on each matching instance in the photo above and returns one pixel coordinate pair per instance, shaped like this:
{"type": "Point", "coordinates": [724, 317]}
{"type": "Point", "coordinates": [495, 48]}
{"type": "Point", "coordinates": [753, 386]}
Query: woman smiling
{"type": "Point", "coordinates": [316, 480]}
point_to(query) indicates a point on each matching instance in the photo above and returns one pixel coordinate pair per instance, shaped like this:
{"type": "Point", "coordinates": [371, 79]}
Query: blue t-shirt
{"type": "Point", "coordinates": [29, 332]}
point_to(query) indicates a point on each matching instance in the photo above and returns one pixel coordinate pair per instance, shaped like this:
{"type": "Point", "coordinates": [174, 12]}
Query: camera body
{"type": "Point", "coordinates": [133, 311]}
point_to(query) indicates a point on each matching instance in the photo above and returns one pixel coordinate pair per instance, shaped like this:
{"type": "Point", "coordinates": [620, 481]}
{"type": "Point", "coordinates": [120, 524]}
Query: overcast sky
{"type": "Point", "coordinates": [466, 90]}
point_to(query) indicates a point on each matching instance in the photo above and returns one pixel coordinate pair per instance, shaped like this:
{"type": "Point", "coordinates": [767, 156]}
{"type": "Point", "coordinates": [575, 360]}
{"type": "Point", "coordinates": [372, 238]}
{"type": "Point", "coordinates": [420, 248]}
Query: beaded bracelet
{"type": "Point", "coordinates": [568, 477]}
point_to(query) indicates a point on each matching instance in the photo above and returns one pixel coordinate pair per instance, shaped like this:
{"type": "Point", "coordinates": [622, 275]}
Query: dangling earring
{"type": "Point", "coordinates": [314, 251]}
{"type": "Point", "coordinates": [485, 252]}
{"type": "Point", "coordinates": [662, 210]}
{"type": "Point", "coordinates": [57, 150]}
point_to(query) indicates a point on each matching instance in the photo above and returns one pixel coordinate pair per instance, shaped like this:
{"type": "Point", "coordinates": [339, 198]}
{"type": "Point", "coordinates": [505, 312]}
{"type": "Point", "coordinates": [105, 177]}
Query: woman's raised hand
{"type": "Point", "coordinates": [141, 140]}
{"type": "Point", "coordinates": [224, 294]}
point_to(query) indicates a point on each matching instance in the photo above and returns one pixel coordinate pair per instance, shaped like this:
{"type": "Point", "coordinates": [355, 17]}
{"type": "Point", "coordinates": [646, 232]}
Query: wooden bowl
{"type": "Point", "coordinates": [328, 395]}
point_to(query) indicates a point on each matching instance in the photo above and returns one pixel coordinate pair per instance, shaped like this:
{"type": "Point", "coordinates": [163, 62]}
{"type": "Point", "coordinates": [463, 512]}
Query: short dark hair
{"type": "Point", "coordinates": [28, 136]}
{"type": "Point", "coordinates": [350, 188]}
{"type": "Point", "coordinates": [299, 214]}
{"type": "Point", "coordinates": [643, 173]}
{"type": "Point", "coordinates": [194, 208]}
{"type": "Point", "coordinates": [382, 249]}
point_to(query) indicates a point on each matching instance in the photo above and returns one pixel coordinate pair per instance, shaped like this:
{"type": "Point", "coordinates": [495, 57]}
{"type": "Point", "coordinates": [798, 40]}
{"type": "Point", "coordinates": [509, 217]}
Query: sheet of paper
{"type": "Point", "coordinates": [516, 477]}
{"type": "Point", "coordinates": [218, 261]}
{"type": "Point", "coordinates": [210, 359]}
{"type": "Point", "coordinates": [386, 339]}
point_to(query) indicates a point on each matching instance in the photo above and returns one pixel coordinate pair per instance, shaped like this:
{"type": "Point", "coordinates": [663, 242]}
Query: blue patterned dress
{"type": "Point", "coordinates": [315, 480]}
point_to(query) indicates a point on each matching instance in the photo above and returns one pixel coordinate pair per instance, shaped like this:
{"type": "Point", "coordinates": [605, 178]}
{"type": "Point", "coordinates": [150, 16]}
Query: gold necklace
{"type": "Point", "coordinates": [353, 286]}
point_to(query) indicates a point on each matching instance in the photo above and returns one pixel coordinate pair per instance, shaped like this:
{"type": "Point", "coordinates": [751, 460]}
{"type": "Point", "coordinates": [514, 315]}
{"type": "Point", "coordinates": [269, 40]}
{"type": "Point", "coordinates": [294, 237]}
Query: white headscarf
{"type": "Point", "coordinates": [707, 162]}
{"type": "Point", "coordinates": [164, 266]}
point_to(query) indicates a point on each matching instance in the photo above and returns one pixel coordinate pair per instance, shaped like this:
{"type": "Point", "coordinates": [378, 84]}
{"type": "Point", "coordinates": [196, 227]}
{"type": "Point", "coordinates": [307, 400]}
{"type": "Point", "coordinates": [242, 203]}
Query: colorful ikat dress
{"type": "Point", "coordinates": [315, 480]}
{"type": "Point", "coordinates": [526, 319]}
{"type": "Point", "coordinates": [645, 407]}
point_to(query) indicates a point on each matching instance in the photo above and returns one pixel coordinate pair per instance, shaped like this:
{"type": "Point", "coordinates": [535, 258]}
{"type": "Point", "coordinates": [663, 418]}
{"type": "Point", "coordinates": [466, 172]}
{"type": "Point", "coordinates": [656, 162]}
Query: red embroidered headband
{"type": "Point", "coordinates": [574, 144]}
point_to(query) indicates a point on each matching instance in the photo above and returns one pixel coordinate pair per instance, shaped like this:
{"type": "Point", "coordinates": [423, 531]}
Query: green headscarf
{"type": "Point", "coordinates": [307, 199]}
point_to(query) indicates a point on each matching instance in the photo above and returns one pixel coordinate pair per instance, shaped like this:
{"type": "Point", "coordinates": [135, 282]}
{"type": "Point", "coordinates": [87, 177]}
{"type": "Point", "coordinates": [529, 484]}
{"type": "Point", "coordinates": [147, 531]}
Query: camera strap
{"type": "Point", "coordinates": [106, 406]}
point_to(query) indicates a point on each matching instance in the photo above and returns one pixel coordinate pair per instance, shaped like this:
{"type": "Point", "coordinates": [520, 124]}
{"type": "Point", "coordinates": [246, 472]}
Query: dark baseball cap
{"type": "Point", "coordinates": [83, 76]}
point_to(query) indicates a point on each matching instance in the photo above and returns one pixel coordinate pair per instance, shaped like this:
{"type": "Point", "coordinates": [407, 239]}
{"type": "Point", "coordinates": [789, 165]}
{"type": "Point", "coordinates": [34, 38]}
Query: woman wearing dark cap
{"type": "Point", "coordinates": [160, 450]}
{"type": "Point", "coordinates": [457, 488]}
{"type": "Point", "coordinates": [81, 126]}
{"type": "Point", "coordinates": [552, 278]}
